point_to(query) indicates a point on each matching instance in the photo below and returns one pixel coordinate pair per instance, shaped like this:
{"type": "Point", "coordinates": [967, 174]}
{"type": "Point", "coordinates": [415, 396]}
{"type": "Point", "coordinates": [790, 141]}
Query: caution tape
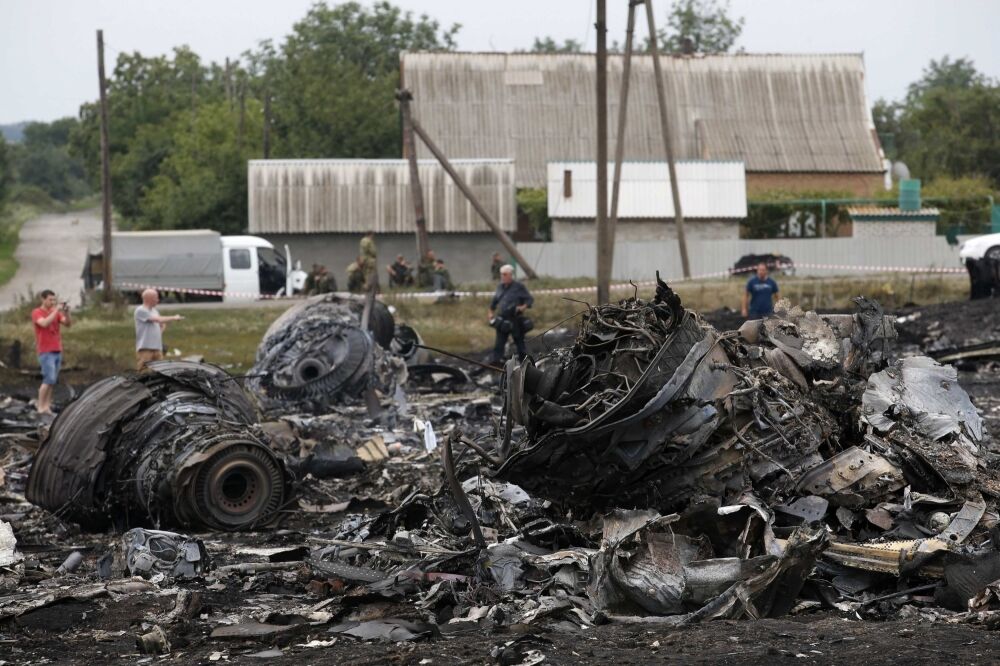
{"type": "Point", "coordinates": [205, 292]}
{"type": "Point", "coordinates": [565, 290]}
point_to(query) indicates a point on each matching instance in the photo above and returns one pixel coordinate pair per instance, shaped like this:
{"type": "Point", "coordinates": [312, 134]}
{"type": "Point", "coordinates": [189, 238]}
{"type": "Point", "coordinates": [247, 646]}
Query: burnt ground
{"type": "Point", "coordinates": [104, 628]}
{"type": "Point", "coordinates": [78, 634]}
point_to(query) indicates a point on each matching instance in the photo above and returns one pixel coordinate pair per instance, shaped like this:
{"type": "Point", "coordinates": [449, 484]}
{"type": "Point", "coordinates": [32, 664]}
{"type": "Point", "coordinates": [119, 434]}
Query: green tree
{"type": "Point", "coordinates": [964, 202]}
{"type": "Point", "coordinates": [5, 172]}
{"type": "Point", "coordinates": [947, 124]}
{"type": "Point", "coordinates": [945, 74]}
{"type": "Point", "coordinates": [43, 160]}
{"type": "Point", "coordinates": [549, 45]}
{"type": "Point", "coordinates": [334, 81]}
{"type": "Point", "coordinates": [143, 95]}
{"type": "Point", "coordinates": [699, 26]}
{"type": "Point", "coordinates": [202, 183]}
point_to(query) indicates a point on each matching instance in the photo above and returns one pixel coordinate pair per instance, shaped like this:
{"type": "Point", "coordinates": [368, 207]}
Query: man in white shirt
{"type": "Point", "coordinates": [149, 327]}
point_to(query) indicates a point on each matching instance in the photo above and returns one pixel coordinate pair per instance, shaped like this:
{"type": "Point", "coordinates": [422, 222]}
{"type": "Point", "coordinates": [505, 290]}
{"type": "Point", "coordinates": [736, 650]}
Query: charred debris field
{"type": "Point", "coordinates": [652, 484]}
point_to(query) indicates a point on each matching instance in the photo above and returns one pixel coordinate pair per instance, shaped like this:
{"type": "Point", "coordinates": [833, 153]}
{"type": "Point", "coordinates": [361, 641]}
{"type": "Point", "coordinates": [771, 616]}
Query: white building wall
{"type": "Point", "coordinates": [640, 261]}
{"type": "Point", "coordinates": [640, 231]}
{"type": "Point", "coordinates": [893, 229]}
{"type": "Point", "coordinates": [708, 189]}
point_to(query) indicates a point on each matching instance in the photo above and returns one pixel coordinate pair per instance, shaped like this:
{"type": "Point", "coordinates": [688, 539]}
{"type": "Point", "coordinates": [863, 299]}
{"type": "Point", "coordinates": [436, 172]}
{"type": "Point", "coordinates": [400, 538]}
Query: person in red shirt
{"type": "Point", "coordinates": [48, 341]}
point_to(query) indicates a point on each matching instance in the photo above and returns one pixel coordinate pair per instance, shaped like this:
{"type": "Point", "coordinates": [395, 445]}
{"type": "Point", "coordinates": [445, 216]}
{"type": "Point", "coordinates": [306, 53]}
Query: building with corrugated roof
{"type": "Point", "coordinates": [713, 199]}
{"type": "Point", "coordinates": [798, 122]}
{"type": "Point", "coordinates": [889, 221]}
{"type": "Point", "coordinates": [322, 208]}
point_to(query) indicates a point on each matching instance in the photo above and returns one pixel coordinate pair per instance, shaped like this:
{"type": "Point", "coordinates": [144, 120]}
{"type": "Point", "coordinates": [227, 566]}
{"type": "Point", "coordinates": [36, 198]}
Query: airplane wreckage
{"type": "Point", "coordinates": [656, 469]}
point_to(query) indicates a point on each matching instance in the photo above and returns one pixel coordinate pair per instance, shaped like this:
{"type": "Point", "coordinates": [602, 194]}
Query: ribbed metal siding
{"type": "Point", "coordinates": [354, 196]}
{"type": "Point", "coordinates": [775, 113]}
{"type": "Point", "coordinates": [712, 190]}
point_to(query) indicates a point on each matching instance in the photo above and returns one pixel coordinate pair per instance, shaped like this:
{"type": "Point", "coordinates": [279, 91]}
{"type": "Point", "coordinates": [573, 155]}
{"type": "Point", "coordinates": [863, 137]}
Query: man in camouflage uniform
{"type": "Point", "coordinates": [425, 270]}
{"type": "Point", "coordinates": [442, 278]}
{"type": "Point", "coordinates": [355, 276]}
{"type": "Point", "coordinates": [369, 261]}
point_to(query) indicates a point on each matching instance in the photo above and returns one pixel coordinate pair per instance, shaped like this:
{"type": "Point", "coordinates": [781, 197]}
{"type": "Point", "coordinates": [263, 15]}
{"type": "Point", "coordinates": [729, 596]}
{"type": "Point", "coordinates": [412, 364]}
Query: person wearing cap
{"type": "Point", "coordinates": [506, 313]}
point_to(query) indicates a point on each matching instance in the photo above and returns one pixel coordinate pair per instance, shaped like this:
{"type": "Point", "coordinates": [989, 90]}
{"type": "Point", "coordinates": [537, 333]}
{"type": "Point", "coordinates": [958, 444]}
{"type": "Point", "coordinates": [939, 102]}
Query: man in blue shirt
{"type": "Point", "coordinates": [758, 299]}
{"type": "Point", "coordinates": [507, 313]}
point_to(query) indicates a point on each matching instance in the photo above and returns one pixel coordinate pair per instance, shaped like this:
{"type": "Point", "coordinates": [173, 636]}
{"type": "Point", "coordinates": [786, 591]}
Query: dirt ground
{"type": "Point", "coordinates": [104, 629]}
{"type": "Point", "coordinates": [77, 633]}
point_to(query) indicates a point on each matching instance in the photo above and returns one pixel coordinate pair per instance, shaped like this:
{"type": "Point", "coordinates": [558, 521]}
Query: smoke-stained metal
{"type": "Point", "coordinates": [653, 407]}
{"type": "Point", "coordinates": [317, 354]}
{"type": "Point", "coordinates": [177, 445]}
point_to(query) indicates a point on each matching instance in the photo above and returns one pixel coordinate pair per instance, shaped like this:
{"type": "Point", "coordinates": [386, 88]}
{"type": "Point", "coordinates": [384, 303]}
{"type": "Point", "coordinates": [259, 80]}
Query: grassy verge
{"type": "Point", "coordinates": [460, 325]}
{"type": "Point", "coordinates": [19, 210]}
{"type": "Point", "coordinates": [101, 341]}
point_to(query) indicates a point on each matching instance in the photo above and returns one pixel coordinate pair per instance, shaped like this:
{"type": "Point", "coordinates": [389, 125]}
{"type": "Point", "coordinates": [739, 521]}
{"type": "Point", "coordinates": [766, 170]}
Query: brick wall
{"type": "Point", "coordinates": [861, 185]}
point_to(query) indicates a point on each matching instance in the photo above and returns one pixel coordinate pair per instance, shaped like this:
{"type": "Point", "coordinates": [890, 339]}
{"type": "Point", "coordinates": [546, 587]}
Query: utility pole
{"type": "Point", "coordinates": [661, 100]}
{"type": "Point", "coordinates": [416, 191]}
{"type": "Point", "coordinates": [467, 191]}
{"type": "Point", "coordinates": [616, 180]}
{"type": "Point", "coordinates": [605, 251]}
{"type": "Point", "coordinates": [105, 170]}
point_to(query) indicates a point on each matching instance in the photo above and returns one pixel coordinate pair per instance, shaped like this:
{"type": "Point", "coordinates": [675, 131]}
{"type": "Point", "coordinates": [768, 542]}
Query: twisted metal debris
{"type": "Point", "coordinates": [317, 354]}
{"type": "Point", "coordinates": [175, 446]}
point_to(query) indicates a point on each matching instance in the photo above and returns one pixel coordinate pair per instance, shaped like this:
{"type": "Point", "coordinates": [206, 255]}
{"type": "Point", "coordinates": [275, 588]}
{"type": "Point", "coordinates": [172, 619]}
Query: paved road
{"type": "Point", "coordinates": [51, 255]}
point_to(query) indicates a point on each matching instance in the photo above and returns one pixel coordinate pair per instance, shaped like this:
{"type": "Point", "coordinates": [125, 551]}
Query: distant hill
{"type": "Point", "coordinates": [14, 132]}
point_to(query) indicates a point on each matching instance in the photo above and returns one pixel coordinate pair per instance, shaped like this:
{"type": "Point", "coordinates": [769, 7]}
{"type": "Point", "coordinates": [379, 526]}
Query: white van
{"type": "Point", "coordinates": [195, 264]}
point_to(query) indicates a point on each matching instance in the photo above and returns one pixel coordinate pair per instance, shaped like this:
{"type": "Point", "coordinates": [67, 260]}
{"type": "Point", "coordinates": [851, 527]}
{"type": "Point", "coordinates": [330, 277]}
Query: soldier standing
{"type": "Point", "coordinates": [369, 261]}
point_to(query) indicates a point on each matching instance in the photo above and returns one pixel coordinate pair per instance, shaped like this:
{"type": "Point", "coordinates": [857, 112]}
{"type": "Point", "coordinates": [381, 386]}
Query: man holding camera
{"type": "Point", "coordinates": [47, 318]}
{"type": "Point", "coordinates": [507, 313]}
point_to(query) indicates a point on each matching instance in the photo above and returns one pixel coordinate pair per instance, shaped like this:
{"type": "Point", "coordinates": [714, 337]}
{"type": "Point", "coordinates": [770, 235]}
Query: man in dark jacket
{"type": "Point", "coordinates": [507, 313]}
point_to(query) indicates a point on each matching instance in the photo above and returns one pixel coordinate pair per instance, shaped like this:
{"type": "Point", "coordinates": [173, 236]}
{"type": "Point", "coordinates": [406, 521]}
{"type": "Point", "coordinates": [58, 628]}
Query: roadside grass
{"type": "Point", "coordinates": [101, 341]}
{"type": "Point", "coordinates": [460, 326]}
{"type": "Point", "coordinates": [19, 210]}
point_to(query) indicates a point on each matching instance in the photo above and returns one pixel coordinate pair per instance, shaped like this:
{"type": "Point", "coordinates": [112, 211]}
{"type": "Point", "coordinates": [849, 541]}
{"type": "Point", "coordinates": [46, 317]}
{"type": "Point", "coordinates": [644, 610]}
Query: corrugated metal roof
{"type": "Point", "coordinates": [353, 196]}
{"type": "Point", "coordinates": [889, 211]}
{"type": "Point", "coordinates": [708, 189]}
{"type": "Point", "coordinates": [776, 113]}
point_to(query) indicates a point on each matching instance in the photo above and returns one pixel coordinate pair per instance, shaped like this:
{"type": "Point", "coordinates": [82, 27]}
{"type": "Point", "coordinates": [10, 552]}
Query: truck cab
{"type": "Point", "coordinates": [251, 265]}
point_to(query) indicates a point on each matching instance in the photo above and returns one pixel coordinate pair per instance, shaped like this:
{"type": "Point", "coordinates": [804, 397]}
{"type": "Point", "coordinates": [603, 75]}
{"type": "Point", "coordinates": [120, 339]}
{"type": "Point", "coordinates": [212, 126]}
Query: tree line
{"type": "Point", "coordinates": [182, 129]}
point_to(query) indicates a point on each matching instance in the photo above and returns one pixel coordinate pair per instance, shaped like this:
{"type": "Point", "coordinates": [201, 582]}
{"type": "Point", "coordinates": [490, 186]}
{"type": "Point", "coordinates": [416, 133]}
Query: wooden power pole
{"type": "Point", "coordinates": [105, 170]}
{"type": "Point", "coordinates": [616, 180]}
{"type": "Point", "coordinates": [661, 99]}
{"type": "Point", "coordinates": [467, 191]}
{"type": "Point", "coordinates": [605, 250]}
{"type": "Point", "coordinates": [416, 191]}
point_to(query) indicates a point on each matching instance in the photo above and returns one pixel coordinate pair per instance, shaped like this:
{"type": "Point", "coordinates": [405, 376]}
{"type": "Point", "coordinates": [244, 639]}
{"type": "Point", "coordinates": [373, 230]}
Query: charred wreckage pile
{"type": "Point", "coordinates": [656, 470]}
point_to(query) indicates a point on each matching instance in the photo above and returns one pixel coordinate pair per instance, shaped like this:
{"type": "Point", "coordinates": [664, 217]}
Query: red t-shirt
{"type": "Point", "coordinates": [47, 339]}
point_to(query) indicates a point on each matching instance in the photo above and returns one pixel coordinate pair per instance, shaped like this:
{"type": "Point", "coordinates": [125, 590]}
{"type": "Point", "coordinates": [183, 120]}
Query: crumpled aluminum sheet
{"type": "Point", "coordinates": [924, 394]}
{"type": "Point", "coordinates": [150, 552]}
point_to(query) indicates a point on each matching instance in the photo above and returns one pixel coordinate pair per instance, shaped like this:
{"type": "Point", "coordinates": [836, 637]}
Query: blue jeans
{"type": "Point", "coordinates": [51, 362]}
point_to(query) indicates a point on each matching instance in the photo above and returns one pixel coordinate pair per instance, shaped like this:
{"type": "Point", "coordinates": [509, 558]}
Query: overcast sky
{"type": "Point", "coordinates": [48, 52]}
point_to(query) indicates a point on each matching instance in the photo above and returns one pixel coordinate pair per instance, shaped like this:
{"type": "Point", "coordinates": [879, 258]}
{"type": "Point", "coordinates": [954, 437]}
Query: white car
{"type": "Point", "coordinates": [979, 247]}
